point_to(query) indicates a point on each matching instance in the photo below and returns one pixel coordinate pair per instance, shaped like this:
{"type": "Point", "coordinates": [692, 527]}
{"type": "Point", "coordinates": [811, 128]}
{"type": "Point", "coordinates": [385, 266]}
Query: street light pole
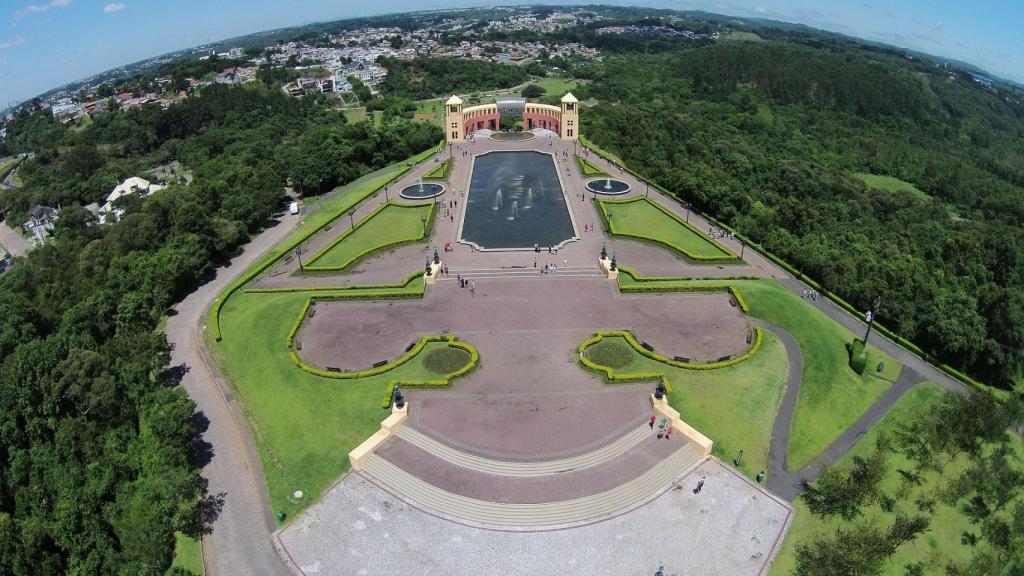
{"type": "Point", "coordinates": [298, 254]}
{"type": "Point", "coordinates": [351, 219]}
{"type": "Point", "coordinates": [386, 194]}
{"type": "Point", "coordinates": [870, 317]}
{"type": "Point", "coordinates": [743, 247]}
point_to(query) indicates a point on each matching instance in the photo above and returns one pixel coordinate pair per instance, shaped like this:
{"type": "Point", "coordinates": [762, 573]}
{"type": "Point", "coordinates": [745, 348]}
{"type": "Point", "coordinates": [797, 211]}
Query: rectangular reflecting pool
{"type": "Point", "coordinates": [516, 201]}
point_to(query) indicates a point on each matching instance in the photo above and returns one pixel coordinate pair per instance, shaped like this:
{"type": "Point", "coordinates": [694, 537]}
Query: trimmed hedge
{"type": "Point", "coordinates": [638, 278]}
{"type": "Point", "coordinates": [261, 267]}
{"type": "Point", "coordinates": [726, 257]}
{"type": "Point", "coordinates": [628, 336]}
{"type": "Point", "coordinates": [899, 340]}
{"type": "Point", "coordinates": [474, 358]}
{"type": "Point", "coordinates": [298, 321]}
{"type": "Point", "coordinates": [444, 381]}
{"type": "Point", "coordinates": [440, 172]}
{"type": "Point", "coordinates": [588, 169]}
{"type": "Point", "coordinates": [431, 213]}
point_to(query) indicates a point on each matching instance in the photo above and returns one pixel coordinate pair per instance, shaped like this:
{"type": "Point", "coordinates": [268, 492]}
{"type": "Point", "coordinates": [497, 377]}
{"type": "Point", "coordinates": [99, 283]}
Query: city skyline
{"type": "Point", "coordinates": [43, 46]}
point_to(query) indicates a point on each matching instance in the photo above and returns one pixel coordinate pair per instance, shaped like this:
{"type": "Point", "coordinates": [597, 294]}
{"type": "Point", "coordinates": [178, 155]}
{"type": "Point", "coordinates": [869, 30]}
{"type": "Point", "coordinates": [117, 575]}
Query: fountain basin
{"type": "Point", "coordinates": [608, 186]}
{"type": "Point", "coordinates": [512, 136]}
{"type": "Point", "coordinates": [421, 191]}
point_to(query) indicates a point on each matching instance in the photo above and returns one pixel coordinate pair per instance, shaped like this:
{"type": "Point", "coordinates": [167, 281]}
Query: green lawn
{"type": "Point", "coordinates": [555, 86]}
{"type": "Point", "coordinates": [354, 115]}
{"type": "Point", "coordinates": [303, 425]}
{"type": "Point", "coordinates": [734, 406]}
{"type": "Point", "coordinates": [334, 207]}
{"type": "Point", "coordinates": [440, 171]}
{"type": "Point", "coordinates": [940, 544]}
{"type": "Point", "coordinates": [832, 396]}
{"type": "Point", "coordinates": [642, 218]}
{"type": "Point", "coordinates": [891, 184]}
{"type": "Point", "coordinates": [188, 554]}
{"type": "Point", "coordinates": [392, 224]}
{"type": "Point", "coordinates": [587, 168]}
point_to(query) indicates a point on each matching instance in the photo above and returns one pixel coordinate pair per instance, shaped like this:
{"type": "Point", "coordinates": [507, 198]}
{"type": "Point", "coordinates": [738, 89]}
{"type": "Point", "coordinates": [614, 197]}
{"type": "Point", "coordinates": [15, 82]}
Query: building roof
{"type": "Point", "coordinates": [130, 185]}
{"type": "Point", "coordinates": [453, 101]}
{"type": "Point", "coordinates": [569, 97]}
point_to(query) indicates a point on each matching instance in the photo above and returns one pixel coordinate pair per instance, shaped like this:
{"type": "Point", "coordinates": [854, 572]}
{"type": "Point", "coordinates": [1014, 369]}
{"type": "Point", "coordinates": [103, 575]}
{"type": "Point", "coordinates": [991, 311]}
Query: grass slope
{"type": "Point", "coordinates": [832, 396]}
{"type": "Point", "coordinates": [734, 406]}
{"type": "Point", "coordinates": [891, 184]}
{"type": "Point", "coordinates": [394, 224]}
{"type": "Point", "coordinates": [934, 548]}
{"type": "Point", "coordinates": [303, 425]}
{"type": "Point", "coordinates": [642, 218]}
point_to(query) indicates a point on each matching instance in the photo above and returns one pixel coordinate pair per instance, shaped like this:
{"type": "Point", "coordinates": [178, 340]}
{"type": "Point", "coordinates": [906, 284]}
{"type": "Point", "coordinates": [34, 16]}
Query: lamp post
{"type": "Point", "coordinates": [319, 191]}
{"type": "Point", "coordinates": [351, 217]}
{"type": "Point", "coordinates": [298, 254]}
{"type": "Point", "coordinates": [687, 206]}
{"type": "Point", "coordinates": [743, 247]}
{"type": "Point", "coordinates": [386, 193]}
{"type": "Point", "coordinates": [870, 317]}
{"type": "Point", "coordinates": [423, 221]}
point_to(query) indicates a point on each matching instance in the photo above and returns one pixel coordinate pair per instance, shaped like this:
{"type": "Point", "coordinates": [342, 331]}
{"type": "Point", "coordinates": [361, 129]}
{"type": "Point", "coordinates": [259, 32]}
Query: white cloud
{"type": "Point", "coordinates": [38, 8]}
{"type": "Point", "coordinates": [760, 9]}
{"type": "Point", "coordinates": [114, 7]}
{"type": "Point", "coordinates": [16, 41]}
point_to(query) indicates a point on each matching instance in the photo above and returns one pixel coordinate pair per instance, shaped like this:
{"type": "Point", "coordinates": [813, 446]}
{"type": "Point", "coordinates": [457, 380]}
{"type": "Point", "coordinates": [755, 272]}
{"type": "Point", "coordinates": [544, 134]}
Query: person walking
{"type": "Point", "coordinates": [668, 433]}
{"type": "Point", "coordinates": [700, 486]}
{"type": "Point", "coordinates": [653, 418]}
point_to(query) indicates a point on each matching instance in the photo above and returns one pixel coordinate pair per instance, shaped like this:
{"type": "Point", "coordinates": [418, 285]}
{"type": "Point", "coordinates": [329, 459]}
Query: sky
{"type": "Point", "coordinates": [48, 43]}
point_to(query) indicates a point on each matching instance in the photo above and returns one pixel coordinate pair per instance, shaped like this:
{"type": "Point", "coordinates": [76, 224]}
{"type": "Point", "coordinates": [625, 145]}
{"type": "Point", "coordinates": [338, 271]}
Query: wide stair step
{"type": "Point", "coordinates": [518, 273]}
{"type": "Point", "coordinates": [518, 516]}
{"type": "Point", "coordinates": [524, 469]}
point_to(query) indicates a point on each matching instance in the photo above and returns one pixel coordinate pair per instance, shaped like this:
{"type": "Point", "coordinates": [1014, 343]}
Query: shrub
{"type": "Point", "coordinates": [858, 356]}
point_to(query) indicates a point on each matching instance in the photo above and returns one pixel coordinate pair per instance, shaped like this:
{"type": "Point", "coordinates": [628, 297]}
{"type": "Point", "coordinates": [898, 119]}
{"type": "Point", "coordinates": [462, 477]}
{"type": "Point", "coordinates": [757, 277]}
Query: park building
{"type": "Point", "coordinates": [461, 121]}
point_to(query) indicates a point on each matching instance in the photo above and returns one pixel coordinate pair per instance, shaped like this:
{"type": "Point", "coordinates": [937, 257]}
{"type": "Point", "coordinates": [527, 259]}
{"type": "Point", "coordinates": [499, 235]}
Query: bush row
{"type": "Point", "coordinates": [638, 278]}
{"type": "Point", "coordinates": [726, 257]}
{"type": "Point", "coordinates": [443, 382]}
{"type": "Point", "coordinates": [628, 336]}
{"type": "Point", "coordinates": [259, 268]}
{"type": "Point", "coordinates": [298, 321]}
{"type": "Point", "coordinates": [379, 369]}
{"type": "Point", "coordinates": [900, 340]}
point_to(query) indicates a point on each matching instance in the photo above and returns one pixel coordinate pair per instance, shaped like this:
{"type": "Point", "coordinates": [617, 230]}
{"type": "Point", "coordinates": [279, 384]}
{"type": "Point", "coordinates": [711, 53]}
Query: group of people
{"type": "Point", "coordinates": [811, 294]}
{"type": "Point", "coordinates": [588, 227]}
{"type": "Point", "coordinates": [550, 267]}
{"type": "Point", "coordinates": [717, 233]}
{"type": "Point", "coordinates": [664, 430]}
{"type": "Point", "coordinates": [463, 283]}
{"type": "Point", "coordinates": [447, 208]}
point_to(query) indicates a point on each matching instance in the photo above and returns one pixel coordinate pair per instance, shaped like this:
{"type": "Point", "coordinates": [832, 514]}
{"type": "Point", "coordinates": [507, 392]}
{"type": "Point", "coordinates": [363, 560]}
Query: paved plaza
{"type": "Point", "coordinates": [447, 495]}
{"type": "Point", "coordinates": [730, 529]}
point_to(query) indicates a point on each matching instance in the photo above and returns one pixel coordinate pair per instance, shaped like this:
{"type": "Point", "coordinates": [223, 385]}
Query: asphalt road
{"type": "Point", "coordinates": [240, 540]}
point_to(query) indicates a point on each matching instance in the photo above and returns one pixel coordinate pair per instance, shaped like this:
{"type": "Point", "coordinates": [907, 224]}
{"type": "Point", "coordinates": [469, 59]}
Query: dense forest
{"type": "Point", "coordinates": [767, 137]}
{"type": "Point", "coordinates": [429, 77]}
{"type": "Point", "coordinates": [99, 451]}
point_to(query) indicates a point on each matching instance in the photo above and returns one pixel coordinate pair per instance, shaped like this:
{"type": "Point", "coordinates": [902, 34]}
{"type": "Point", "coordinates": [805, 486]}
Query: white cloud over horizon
{"type": "Point", "coordinates": [39, 8]}
{"type": "Point", "coordinates": [16, 41]}
{"type": "Point", "coordinates": [114, 7]}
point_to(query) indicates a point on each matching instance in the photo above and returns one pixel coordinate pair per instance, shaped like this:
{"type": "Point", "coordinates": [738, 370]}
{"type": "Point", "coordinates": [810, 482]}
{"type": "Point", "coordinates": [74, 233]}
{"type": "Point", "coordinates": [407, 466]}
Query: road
{"type": "Point", "coordinates": [240, 540]}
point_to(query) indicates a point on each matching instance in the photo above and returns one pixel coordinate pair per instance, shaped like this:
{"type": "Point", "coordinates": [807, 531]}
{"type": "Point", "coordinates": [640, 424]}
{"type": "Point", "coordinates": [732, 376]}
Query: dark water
{"type": "Point", "coordinates": [530, 210]}
{"type": "Point", "coordinates": [608, 186]}
{"type": "Point", "coordinates": [429, 191]}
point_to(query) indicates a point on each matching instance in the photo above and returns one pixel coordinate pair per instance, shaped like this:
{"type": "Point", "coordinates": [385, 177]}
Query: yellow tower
{"type": "Point", "coordinates": [570, 124]}
{"type": "Point", "coordinates": [454, 123]}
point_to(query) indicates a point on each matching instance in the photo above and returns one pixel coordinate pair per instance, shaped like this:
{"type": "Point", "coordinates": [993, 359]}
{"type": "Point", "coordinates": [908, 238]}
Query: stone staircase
{"type": "Point", "coordinates": [524, 273]}
{"type": "Point", "coordinates": [538, 515]}
{"type": "Point", "coordinates": [524, 469]}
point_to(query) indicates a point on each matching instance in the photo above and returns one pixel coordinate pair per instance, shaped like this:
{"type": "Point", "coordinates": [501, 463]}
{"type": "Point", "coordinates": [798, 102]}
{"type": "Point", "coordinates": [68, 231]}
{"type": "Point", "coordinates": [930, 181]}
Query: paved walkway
{"type": "Point", "coordinates": [240, 539]}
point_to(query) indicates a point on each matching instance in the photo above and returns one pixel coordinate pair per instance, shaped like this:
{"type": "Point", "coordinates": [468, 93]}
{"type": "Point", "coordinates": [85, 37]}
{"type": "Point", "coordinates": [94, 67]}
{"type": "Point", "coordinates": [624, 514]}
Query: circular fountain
{"type": "Point", "coordinates": [512, 136]}
{"type": "Point", "coordinates": [608, 186]}
{"type": "Point", "coordinates": [420, 191]}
